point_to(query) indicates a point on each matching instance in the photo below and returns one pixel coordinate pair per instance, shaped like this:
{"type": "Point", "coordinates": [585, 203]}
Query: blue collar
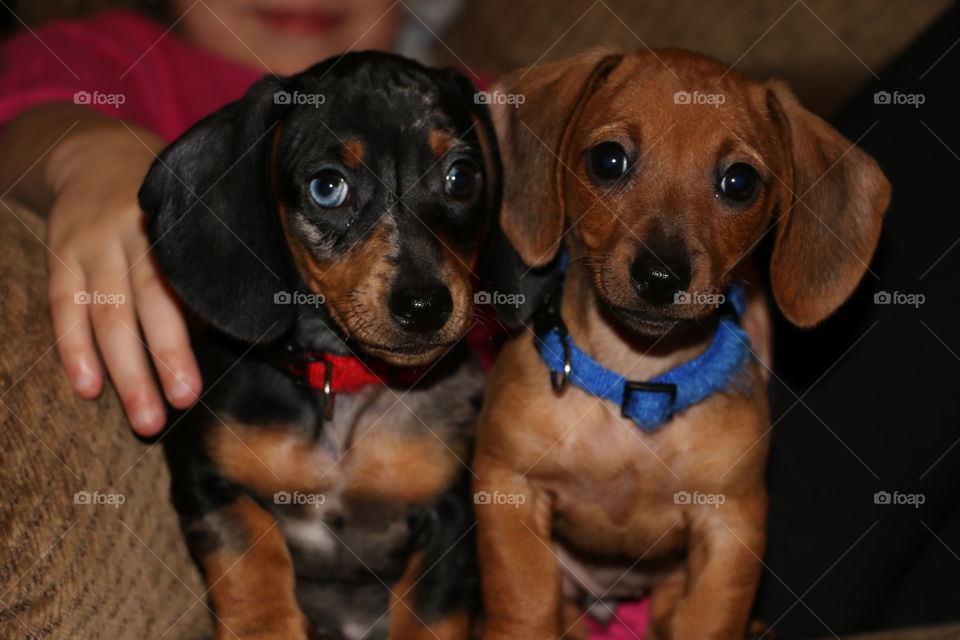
{"type": "Point", "coordinates": [653, 403]}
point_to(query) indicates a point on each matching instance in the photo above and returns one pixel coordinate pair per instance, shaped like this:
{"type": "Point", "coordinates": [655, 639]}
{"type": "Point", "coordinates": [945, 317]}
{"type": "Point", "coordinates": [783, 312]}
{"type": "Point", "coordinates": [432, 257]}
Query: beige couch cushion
{"type": "Point", "coordinates": [71, 570]}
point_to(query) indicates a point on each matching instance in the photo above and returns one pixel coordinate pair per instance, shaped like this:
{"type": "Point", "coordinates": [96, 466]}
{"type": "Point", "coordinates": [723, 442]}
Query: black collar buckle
{"type": "Point", "coordinates": [548, 319]}
{"type": "Point", "coordinates": [655, 387]}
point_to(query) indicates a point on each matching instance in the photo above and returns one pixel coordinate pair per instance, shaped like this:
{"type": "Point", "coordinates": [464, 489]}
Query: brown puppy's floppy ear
{"type": "Point", "coordinates": [532, 138]}
{"type": "Point", "coordinates": [826, 237]}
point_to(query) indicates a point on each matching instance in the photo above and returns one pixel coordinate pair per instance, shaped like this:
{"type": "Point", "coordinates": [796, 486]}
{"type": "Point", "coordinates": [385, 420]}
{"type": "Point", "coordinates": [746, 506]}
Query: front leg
{"type": "Point", "coordinates": [723, 569]}
{"type": "Point", "coordinates": [437, 597]}
{"type": "Point", "coordinates": [249, 573]}
{"type": "Point", "coordinates": [238, 545]}
{"type": "Point", "coordinates": [409, 620]}
{"type": "Point", "coordinates": [519, 572]}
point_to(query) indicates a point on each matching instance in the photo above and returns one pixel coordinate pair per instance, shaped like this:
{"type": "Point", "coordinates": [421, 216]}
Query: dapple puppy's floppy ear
{"type": "Point", "coordinates": [521, 290]}
{"type": "Point", "coordinates": [483, 127]}
{"type": "Point", "coordinates": [212, 219]}
{"type": "Point", "coordinates": [826, 237]}
{"type": "Point", "coordinates": [501, 268]}
{"type": "Point", "coordinates": [532, 137]}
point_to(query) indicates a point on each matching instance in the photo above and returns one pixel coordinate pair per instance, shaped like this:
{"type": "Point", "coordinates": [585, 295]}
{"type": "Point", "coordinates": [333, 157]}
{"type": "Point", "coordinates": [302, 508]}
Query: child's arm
{"type": "Point", "coordinates": [83, 169]}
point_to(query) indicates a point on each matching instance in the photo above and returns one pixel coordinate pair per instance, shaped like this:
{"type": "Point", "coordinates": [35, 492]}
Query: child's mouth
{"type": "Point", "coordinates": [301, 21]}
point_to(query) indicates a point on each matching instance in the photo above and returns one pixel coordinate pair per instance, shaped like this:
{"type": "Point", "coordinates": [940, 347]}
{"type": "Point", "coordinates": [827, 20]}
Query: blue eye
{"type": "Point", "coordinates": [461, 180]}
{"type": "Point", "coordinates": [329, 189]}
{"type": "Point", "coordinates": [608, 161]}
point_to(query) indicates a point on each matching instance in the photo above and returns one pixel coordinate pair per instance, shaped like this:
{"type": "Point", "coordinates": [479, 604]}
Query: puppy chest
{"type": "Point", "coordinates": [368, 457]}
{"type": "Point", "coordinates": [606, 459]}
{"type": "Point", "coordinates": [344, 540]}
{"type": "Point", "coordinates": [601, 453]}
{"type": "Point", "coordinates": [345, 555]}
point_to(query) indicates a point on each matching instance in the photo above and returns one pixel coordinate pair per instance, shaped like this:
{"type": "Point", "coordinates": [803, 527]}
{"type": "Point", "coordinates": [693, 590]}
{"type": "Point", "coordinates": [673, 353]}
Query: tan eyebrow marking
{"type": "Point", "coordinates": [440, 142]}
{"type": "Point", "coordinates": [352, 153]}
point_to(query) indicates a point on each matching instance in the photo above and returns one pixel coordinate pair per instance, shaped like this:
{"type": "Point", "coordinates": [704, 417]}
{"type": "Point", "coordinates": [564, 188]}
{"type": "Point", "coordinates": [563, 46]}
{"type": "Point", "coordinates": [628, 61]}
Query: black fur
{"type": "Point", "coordinates": [212, 221]}
{"type": "Point", "coordinates": [212, 208]}
{"type": "Point", "coordinates": [212, 216]}
{"type": "Point", "coordinates": [503, 272]}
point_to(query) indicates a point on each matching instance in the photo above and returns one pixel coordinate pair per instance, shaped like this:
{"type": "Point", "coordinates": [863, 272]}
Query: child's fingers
{"type": "Point", "coordinates": [166, 333]}
{"type": "Point", "coordinates": [69, 311]}
{"type": "Point", "coordinates": [118, 335]}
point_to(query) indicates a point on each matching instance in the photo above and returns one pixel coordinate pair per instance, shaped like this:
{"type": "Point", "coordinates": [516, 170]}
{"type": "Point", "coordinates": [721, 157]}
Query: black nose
{"type": "Point", "coordinates": [659, 279]}
{"type": "Point", "coordinates": [421, 309]}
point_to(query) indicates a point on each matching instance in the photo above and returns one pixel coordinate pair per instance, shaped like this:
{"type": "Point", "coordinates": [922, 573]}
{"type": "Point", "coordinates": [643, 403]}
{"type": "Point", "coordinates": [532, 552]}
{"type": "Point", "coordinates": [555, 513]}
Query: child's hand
{"type": "Point", "coordinates": [104, 282]}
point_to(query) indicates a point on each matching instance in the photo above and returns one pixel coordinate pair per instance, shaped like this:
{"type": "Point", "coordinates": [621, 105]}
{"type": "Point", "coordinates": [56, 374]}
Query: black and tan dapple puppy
{"type": "Point", "coordinates": [324, 227]}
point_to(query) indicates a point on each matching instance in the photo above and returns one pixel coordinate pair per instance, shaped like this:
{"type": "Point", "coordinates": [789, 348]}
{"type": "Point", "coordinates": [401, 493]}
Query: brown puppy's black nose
{"type": "Point", "coordinates": [421, 309]}
{"type": "Point", "coordinates": [659, 279]}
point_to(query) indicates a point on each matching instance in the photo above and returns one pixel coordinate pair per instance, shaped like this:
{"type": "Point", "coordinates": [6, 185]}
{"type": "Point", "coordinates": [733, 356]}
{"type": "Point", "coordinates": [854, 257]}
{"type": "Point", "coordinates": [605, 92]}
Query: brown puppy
{"type": "Point", "coordinates": [656, 173]}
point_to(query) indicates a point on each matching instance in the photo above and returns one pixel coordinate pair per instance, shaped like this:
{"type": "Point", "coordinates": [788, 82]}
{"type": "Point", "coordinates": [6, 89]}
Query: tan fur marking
{"type": "Point", "coordinates": [489, 158]}
{"type": "Point", "coordinates": [352, 153]}
{"type": "Point", "coordinates": [252, 589]}
{"type": "Point", "coordinates": [440, 142]}
{"type": "Point", "coordinates": [269, 459]}
{"type": "Point", "coordinates": [404, 621]}
{"type": "Point", "coordinates": [403, 467]}
{"type": "Point", "coordinates": [354, 296]}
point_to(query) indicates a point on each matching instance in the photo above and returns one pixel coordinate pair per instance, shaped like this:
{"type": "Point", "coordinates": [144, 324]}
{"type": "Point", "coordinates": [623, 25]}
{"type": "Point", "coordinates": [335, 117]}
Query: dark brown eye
{"type": "Point", "coordinates": [461, 180]}
{"type": "Point", "coordinates": [608, 161]}
{"type": "Point", "coordinates": [739, 182]}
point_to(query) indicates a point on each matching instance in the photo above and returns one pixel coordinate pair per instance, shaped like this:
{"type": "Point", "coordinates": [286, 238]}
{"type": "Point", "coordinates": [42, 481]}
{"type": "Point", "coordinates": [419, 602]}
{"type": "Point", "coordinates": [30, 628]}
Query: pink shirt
{"type": "Point", "coordinates": [123, 65]}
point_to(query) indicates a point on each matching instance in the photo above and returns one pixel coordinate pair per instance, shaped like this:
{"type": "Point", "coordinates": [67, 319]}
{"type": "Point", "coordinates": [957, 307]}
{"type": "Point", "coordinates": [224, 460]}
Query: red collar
{"type": "Point", "coordinates": [348, 374]}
